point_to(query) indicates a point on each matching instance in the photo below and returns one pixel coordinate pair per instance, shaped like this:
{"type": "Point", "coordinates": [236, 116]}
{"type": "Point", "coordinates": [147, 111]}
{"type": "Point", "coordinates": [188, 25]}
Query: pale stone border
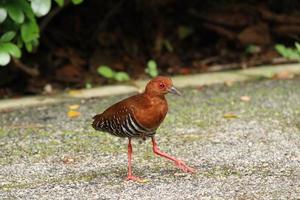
{"type": "Point", "coordinates": [179, 81]}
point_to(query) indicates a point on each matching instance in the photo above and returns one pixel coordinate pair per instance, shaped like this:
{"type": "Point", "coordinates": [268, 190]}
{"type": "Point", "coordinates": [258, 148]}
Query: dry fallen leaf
{"type": "Point", "coordinates": [283, 75]}
{"type": "Point", "coordinates": [245, 98]}
{"type": "Point", "coordinates": [184, 70]}
{"type": "Point", "coordinates": [230, 115]}
{"type": "Point", "coordinates": [143, 181]}
{"type": "Point", "coordinates": [200, 87]}
{"type": "Point", "coordinates": [48, 89]}
{"type": "Point", "coordinates": [73, 114]}
{"type": "Point", "coordinates": [73, 107]}
{"type": "Point", "coordinates": [68, 160]}
{"type": "Point", "coordinates": [74, 92]}
{"type": "Point", "coordinates": [228, 83]}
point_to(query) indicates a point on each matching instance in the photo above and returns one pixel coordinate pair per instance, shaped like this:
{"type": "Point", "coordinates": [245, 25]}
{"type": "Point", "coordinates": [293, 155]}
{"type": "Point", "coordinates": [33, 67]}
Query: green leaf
{"type": "Point", "coordinates": [28, 46]}
{"type": "Point", "coordinates": [25, 6]}
{"type": "Point", "coordinates": [106, 71]}
{"type": "Point", "coordinates": [4, 58]}
{"type": "Point", "coordinates": [88, 85]}
{"type": "Point", "coordinates": [292, 54]}
{"type": "Point", "coordinates": [11, 49]}
{"type": "Point", "coordinates": [19, 42]}
{"type": "Point", "coordinates": [152, 64]}
{"type": "Point", "coordinates": [3, 15]}
{"type": "Point", "coordinates": [15, 13]}
{"type": "Point", "coordinates": [8, 36]}
{"type": "Point", "coordinates": [297, 46]}
{"type": "Point", "coordinates": [76, 2]}
{"type": "Point", "coordinates": [287, 52]}
{"type": "Point", "coordinates": [168, 45]}
{"type": "Point", "coordinates": [184, 32]}
{"type": "Point", "coordinates": [29, 31]}
{"type": "Point", "coordinates": [252, 49]}
{"type": "Point", "coordinates": [40, 7]}
{"type": "Point", "coordinates": [122, 76]}
{"type": "Point", "coordinates": [281, 49]}
{"type": "Point", "coordinates": [152, 68]}
{"type": "Point", "coordinates": [60, 2]}
{"type": "Point", "coordinates": [35, 42]}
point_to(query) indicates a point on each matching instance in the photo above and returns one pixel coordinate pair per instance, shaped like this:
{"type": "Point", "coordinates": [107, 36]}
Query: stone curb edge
{"type": "Point", "coordinates": [179, 81]}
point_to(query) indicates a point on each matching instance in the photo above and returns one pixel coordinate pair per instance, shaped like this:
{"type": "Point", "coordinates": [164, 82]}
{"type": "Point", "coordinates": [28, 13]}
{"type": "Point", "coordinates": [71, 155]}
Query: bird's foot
{"type": "Point", "coordinates": [181, 165]}
{"type": "Point", "coordinates": [135, 179]}
{"type": "Point", "coordinates": [132, 178]}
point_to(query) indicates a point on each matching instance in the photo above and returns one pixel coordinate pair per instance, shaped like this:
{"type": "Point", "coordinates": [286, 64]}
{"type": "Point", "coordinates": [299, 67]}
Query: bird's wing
{"type": "Point", "coordinates": [120, 120]}
{"type": "Point", "coordinates": [111, 119]}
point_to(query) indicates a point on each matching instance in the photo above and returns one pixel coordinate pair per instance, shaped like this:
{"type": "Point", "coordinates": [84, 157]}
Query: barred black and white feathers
{"type": "Point", "coordinates": [121, 123]}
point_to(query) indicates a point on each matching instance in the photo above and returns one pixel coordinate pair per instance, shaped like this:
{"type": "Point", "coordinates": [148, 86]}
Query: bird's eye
{"type": "Point", "coordinates": [161, 85]}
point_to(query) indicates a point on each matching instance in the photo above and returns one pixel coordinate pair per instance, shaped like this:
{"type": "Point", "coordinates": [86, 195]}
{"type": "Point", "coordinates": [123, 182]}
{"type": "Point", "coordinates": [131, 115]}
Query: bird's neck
{"type": "Point", "coordinates": [152, 96]}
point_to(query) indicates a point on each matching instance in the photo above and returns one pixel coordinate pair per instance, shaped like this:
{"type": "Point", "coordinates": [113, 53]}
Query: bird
{"type": "Point", "coordinates": [139, 116]}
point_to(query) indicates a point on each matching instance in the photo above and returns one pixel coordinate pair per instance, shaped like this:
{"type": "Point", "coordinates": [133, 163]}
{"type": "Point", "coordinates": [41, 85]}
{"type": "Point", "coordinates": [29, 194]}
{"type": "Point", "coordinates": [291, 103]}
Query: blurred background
{"type": "Point", "coordinates": [47, 46]}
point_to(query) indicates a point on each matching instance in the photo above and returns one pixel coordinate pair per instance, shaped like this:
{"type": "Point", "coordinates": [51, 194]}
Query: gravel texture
{"type": "Point", "coordinates": [254, 153]}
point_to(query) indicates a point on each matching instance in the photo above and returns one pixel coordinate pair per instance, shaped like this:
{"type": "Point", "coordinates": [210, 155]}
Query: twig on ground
{"type": "Point", "coordinates": [221, 31]}
{"type": "Point", "coordinates": [279, 18]}
{"type": "Point", "coordinates": [224, 67]}
{"type": "Point", "coordinates": [30, 71]}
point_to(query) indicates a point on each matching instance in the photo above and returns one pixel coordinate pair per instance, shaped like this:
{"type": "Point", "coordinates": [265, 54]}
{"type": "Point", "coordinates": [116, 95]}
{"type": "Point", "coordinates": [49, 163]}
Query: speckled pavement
{"type": "Point", "coordinates": [241, 149]}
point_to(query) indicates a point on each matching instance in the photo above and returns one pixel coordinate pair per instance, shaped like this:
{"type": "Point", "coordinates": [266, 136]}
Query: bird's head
{"type": "Point", "coordinates": [160, 86]}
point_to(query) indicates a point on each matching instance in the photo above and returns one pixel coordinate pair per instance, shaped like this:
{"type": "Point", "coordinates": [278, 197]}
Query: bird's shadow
{"type": "Point", "coordinates": [117, 174]}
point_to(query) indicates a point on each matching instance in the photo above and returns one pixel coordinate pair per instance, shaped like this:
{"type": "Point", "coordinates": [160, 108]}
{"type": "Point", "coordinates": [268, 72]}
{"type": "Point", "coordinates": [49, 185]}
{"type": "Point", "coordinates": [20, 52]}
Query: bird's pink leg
{"type": "Point", "coordinates": [180, 164]}
{"type": "Point", "coordinates": [130, 176]}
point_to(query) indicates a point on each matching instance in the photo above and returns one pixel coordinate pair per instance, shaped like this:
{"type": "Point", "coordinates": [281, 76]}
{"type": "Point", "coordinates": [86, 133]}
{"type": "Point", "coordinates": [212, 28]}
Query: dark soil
{"type": "Point", "coordinates": [183, 37]}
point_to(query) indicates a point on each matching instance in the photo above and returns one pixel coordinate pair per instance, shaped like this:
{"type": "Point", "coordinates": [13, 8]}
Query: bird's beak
{"type": "Point", "coordinates": [173, 90]}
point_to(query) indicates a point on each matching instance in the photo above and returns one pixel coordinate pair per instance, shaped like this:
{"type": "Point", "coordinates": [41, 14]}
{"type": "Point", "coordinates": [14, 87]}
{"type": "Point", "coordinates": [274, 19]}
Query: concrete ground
{"type": "Point", "coordinates": [241, 149]}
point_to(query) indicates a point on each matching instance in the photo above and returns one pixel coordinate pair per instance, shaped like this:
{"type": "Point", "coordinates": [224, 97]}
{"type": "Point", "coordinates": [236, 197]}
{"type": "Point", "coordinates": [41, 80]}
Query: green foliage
{"type": "Point", "coordinates": [76, 2]}
{"type": "Point", "coordinates": [11, 49]}
{"type": "Point", "coordinates": [8, 49]}
{"type": "Point", "coordinates": [121, 76]}
{"type": "Point", "coordinates": [62, 2]}
{"type": "Point", "coordinates": [108, 73]}
{"type": "Point", "coordinates": [252, 49]}
{"type": "Point", "coordinates": [152, 68]}
{"type": "Point", "coordinates": [8, 36]}
{"type": "Point", "coordinates": [40, 7]}
{"type": "Point", "coordinates": [168, 45]}
{"type": "Point", "coordinates": [19, 27]}
{"type": "Point", "coordinates": [3, 14]}
{"type": "Point", "coordinates": [184, 32]}
{"type": "Point", "coordinates": [88, 85]}
{"type": "Point", "coordinates": [4, 58]}
{"type": "Point", "coordinates": [15, 12]}
{"type": "Point", "coordinates": [297, 46]}
{"type": "Point", "coordinates": [287, 52]}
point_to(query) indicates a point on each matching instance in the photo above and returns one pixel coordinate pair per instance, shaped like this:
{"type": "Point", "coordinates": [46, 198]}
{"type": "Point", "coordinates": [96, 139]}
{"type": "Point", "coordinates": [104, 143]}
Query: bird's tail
{"type": "Point", "coordinates": [98, 122]}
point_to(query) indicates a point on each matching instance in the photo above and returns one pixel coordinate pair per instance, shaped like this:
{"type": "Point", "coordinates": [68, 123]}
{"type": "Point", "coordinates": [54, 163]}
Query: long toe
{"type": "Point", "coordinates": [181, 165]}
{"type": "Point", "coordinates": [135, 179]}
